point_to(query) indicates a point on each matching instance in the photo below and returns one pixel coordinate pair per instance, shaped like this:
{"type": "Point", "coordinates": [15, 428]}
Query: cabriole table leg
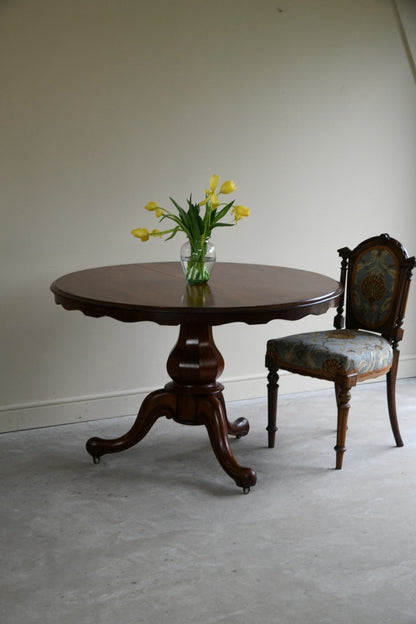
{"type": "Point", "coordinates": [157, 404]}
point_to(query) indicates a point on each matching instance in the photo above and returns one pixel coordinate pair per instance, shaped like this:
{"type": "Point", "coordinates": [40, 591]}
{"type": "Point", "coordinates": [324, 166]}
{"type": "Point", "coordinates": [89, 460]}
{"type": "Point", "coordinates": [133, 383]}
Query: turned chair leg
{"type": "Point", "coordinates": [343, 401]}
{"type": "Point", "coordinates": [337, 389]}
{"type": "Point", "coordinates": [272, 388]}
{"type": "Point", "coordinates": [391, 399]}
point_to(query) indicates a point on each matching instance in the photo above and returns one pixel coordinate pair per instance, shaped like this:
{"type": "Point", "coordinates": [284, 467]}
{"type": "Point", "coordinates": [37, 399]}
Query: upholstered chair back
{"type": "Point", "coordinates": [378, 278]}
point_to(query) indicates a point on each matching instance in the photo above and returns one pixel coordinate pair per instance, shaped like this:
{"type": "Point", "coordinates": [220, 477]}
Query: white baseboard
{"type": "Point", "coordinates": [80, 409]}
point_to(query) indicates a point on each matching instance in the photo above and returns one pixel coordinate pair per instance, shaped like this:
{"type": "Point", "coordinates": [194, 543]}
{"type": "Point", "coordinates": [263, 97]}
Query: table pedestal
{"type": "Point", "coordinates": [193, 397]}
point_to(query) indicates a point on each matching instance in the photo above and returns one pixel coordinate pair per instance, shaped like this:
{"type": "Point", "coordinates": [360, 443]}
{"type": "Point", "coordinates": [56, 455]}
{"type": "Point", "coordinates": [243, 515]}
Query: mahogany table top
{"type": "Point", "coordinates": [157, 291]}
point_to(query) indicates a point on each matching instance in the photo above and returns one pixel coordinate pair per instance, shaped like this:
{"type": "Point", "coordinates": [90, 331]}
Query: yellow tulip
{"type": "Point", "coordinates": [142, 233]}
{"type": "Point", "coordinates": [240, 211]}
{"type": "Point", "coordinates": [213, 201]}
{"type": "Point", "coordinates": [227, 187]}
{"type": "Point", "coordinates": [213, 182]}
{"type": "Point", "coordinates": [210, 194]}
{"type": "Point", "coordinates": [210, 198]}
{"type": "Point", "coordinates": [155, 233]}
{"type": "Point", "coordinates": [151, 206]}
{"type": "Point", "coordinates": [159, 212]}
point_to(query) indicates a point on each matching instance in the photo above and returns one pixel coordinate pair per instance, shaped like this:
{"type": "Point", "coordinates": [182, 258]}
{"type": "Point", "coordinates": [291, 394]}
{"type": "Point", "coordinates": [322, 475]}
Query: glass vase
{"type": "Point", "coordinates": [198, 259]}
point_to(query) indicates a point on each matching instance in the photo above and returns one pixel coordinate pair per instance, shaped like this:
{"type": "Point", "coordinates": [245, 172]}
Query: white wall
{"type": "Point", "coordinates": [309, 105]}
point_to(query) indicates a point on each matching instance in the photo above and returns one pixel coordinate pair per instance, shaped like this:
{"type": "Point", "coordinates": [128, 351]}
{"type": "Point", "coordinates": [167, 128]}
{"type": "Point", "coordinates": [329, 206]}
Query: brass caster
{"type": "Point", "coordinates": [246, 490]}
{"type": "Point", "coordinates": [96, 460]}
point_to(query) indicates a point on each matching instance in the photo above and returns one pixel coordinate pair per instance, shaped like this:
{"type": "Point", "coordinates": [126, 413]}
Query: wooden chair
{"type": "Point", "coordinates": [376, 277]}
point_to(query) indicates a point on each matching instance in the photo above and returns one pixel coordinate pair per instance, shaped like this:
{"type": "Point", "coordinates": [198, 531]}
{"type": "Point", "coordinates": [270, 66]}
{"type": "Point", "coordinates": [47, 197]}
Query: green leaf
{"type": "Point", "coordinates": [181, 225]}
{"type": "Point", "coordinates": [197, 225]}
{"type": "Point", "coordinates": [175, 231]}
{"type": "Point", "coordinates": [208, 216]}
{"type": "Point", "coordinates": [223, 225]}
{"type": "Point", "coordinates": [192, 206]}
{"type": "Point", "coordinates": [183, 218]}
{"type": "Point", "coordinates": [221, 214]}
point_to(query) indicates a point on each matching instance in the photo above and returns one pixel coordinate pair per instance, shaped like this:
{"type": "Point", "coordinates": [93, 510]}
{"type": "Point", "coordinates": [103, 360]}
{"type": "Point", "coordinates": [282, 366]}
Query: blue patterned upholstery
{"type": "Point", "coordinates": [373, 284]}
{"type": "Point", "coordinates": [329, 352]}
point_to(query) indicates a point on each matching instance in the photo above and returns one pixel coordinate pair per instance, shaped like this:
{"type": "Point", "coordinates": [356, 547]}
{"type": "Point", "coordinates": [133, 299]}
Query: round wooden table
{"type": "Point", "coordinates": [158, 292]}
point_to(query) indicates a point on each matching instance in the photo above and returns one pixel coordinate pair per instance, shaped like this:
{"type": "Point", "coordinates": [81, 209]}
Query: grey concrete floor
{"type": "Point", "coordinates": [160, 534]}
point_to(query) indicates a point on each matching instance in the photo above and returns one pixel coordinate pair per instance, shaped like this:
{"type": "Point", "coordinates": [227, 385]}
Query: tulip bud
{"type": "Point", "coordinates": [142, 233]}
{"type": "Point", "coordinates": [151, 206]}
{"type": "Point", "coordinates": [227, 187]}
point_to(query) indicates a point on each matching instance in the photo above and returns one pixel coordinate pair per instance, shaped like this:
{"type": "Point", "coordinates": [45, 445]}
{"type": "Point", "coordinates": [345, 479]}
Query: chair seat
{"type": "Point", "coordinates": [333, 351]}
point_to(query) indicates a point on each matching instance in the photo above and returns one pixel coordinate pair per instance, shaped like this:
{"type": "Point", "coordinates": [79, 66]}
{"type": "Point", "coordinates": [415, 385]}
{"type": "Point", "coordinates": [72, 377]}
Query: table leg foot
{"type": "Point", "coordinates": [212, 414]}
{"type": "Point", "coordinates": [158, 403]}
{"type": "Point", "coordinates": [239, 427]}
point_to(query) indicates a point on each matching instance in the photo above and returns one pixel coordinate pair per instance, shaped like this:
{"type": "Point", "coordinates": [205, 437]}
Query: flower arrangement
{"type": "Point", "coordinates": [197, 227]}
